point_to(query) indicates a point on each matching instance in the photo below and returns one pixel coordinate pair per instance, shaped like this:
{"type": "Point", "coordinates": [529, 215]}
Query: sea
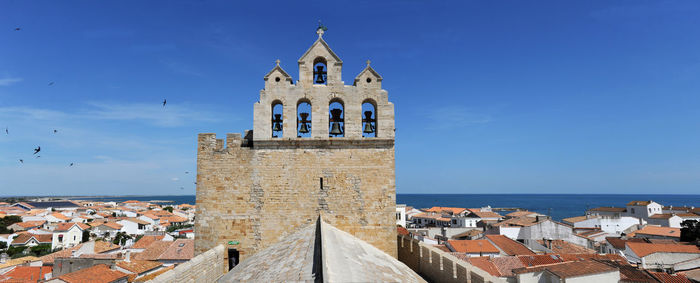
{"type": "Point", "coordinates": [558, 206]}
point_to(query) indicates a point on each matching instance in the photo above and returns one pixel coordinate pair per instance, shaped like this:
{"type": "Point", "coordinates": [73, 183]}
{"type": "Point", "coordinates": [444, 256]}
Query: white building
{"type": "Point", "coordinates": [643, 209]}
{"type": "Point", "coordinates": [401, 215]}
{"type": "Point", "coordinates": [135, 226]}
{"type": "Point", "coordinates": [610, 225]}
{"type": "Point", "coordinates": [67, 235]}
{"type": "Point", "coordinates": [659, 256]}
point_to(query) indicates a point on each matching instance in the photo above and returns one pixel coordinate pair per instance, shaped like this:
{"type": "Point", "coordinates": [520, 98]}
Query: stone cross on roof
{"type": "Point", "coordinates": [320, 32]}
{"type": "Point", "coordinates": [277, 62]}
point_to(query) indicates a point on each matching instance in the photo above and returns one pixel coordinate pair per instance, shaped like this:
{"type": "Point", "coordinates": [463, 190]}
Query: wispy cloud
{"type": "Point", "coordinates": [182, 68]}
{"type": "Point", "coordinates": [455, 116]}
{"type": "Point", "coordinates": [9, 81]}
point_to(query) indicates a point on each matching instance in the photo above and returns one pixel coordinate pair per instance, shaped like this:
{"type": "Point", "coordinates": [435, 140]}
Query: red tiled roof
{"type": "Point", "coordinates": [670, 278]}
{"type": "Point", "coordinates": [402, 231]}
{"type": "Point", "coordinates": [509, 246]}
{"type": "Point", "coordinates": [600, 257]}
{"type": "Point", "coordinates": [30, 224]}
{"type": "Point", "coordinates": [60, 216]}
{"type": "Point", "coordinates": [521, 213]}
{"type": "Point", "coordinates": [657, 231]}
{"type": "Point", "coordinates": [484, 264]}
{"type": "Point", "coordinates": [518, 221]}
{"type": "Point", "coordinates": [25, 237]}
{"type": "Point", "coordinates": [570, 269]}
{"type": "Point", "coordinates": [639, 203]}
{"type": "Point", "coordinates": [506, 264]}
{"type": "Point", "coordinates": [440, 209]}
{"type": "Point", "coordinates": [535, 260]}
{"type": "Point", "coordinates": [146, 241]}
{"type": "Point", "coordinates": [486, 214]}
{"type": "Point", "coordinates": [139, 266]}
{"type": "Point", "coordinates": [644, 249]}
{"type": "Point", "coordinates": [67, 226]}
{"type": "Point", "coordinates": [619, 243]}
{"type": "Point", "coordinates": [473, 246]}
{"type": "Point", "coordinates": [181, 249]}
{"type": "Point", "coordinates": [153, 251]}
{"type": "Point", "coordinates": [100, 273]}
{"type": "Point", "coordinates": [26, 274]}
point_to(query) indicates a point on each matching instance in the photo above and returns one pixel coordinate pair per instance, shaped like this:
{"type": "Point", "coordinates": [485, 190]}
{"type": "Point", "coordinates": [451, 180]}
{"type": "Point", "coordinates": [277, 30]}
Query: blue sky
{"type": "Point", "coordinates": [490, 96]}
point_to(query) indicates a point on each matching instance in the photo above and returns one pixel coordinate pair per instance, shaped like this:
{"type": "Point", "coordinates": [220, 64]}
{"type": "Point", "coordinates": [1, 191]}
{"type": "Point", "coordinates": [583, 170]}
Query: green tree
{"type": "Point", "coordinates": [3, 245]}
{"type": "Point", "coordinates": [86, 236]}
{"type": "Point", "coordinates": [41, 250]}
{"type": "Point", "coordinates": [7, 221]}
{"type": "Point", "coordinates": [169, 209]}
{"type": "Point", "coordinates": [690, 231]}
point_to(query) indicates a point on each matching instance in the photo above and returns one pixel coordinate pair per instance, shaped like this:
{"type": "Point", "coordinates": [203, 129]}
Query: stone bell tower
{"type": "Point", "coordinates": [318, 148]}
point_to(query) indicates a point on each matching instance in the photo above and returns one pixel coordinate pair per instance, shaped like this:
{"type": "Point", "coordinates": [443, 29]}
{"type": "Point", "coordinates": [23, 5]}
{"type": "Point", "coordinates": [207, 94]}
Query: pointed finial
{"type": "Point", "coordinates": [277, 62]}
{"type": "Point", "coordinates": [368, 61]}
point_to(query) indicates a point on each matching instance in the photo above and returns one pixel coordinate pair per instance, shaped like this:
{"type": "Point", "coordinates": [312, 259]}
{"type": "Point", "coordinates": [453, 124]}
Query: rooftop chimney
{"type": "Point", "coordinates": [128, 256]}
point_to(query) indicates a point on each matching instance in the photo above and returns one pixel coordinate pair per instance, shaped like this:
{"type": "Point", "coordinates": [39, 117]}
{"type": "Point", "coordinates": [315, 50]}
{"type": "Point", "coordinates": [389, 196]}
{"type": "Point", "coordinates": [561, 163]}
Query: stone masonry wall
{"type": "Point", "coordinates": [258, 195]}
{"type": "Point", "coordinates": [206, 267]}
{"type": "Point", "coordinates": [438, 266]}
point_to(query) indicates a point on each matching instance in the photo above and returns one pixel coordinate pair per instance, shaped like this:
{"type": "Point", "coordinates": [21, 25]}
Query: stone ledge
{"type": "Point", "coordinates": [331, 143]}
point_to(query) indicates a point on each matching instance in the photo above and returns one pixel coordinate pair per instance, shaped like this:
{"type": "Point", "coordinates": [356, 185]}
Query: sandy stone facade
{"type": "Point", "coordinates": [255, 189]}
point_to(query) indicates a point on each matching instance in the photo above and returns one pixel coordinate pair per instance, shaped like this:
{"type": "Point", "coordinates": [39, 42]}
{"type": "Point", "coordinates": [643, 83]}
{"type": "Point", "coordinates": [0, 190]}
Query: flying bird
{"type": "Point", "coordinates": [187, 172]}
{"type": "Point", "coordinates": [38, 156]}
{"type": "Point", "coordinates": [51, 83]}
{"type": "Point", "coordinates": [37, 149]}
{"type": "Point", "coordinates": [21, 161]}
{"type": "Point", "coordinates": [55, 131]}
{"type": "Point", "coordinates": [195, 183]}
{"type": "Point", "coordinates": [182, 188]}
{"type": "Point", "coordinates": [7, 131]}
{"type": "Point", "coordinates": [18, 28]}
{"type": "Point", "coordinates": [71, 165]}
{"type": "Point", "coordinates": [164, 102]}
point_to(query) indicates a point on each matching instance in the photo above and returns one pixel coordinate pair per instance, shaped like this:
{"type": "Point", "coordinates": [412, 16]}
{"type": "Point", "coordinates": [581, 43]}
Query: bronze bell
{"type": "Point", "coordinates": [335, 129]}
{"type": "Point", "coordinates": [368, 123]}
{"type": "Point", "coordinates": [320, 74]}
{"type": "Point", "coordinates": [335, 119]}
{"type": "Point", "coordinates": [304, 128]}
{"type": "Point", "coordinates": [277, 123]}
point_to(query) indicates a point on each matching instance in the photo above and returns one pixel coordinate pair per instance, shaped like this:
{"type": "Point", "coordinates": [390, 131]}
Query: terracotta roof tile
{"type": "Point", "coordinates": [473, 246]}
{"type": "Point", "coordinates": [452, 210]}
{"type": "Point", "coordinates": [619, 243]}
{"type": "Point", "coordinates": [145, 241]}
{"type": "Point", "coordinates": [30, 224]}
{"type": "Point", "coordinates": [509, 246]}
{"type": "Point", "coordinates": [150, 276]}
{"type": "Point", "coordinates": [570, 269]}
{"type": "Point", "coordinates": [68, 226]}
{"type": "Point", "coordinates": [599, 257]}
{"type": "Point", "coordinates": [518, 221]}
{"type": "Point", "coordinates": [644, 249]}
{"type": "Point", "coordinates": [521, 213]}
{"type": "Point", "coordinates": [484, 264]}
{"type": "Point", "coordinates": [670, 278]}
{"type": "Point", "coordinates": [535, 260]}
{"type": "Point", "coordinates": [578, 218]}
{"type": "Point", "coordinates": [25, 237]}
{"type": "Point", "coordinates": [657, 231]}
{"type": "Point", "coordinates": [60, 216]}
{"type": "Point", "coordinates": [26, 274]}
{"type": "Point", "coordinates": [16, 261]}
{"type": "Point", "coordinates": [181, 249]}
{"type": "Point", "coordinates": [139, 266]}
{"type": "Point", "coordinates": [630, 273]}
{"type": "Point", "coordinates": [102, 246]}
{"type": "Point", "coordinates": [153, 251]}
{"type": "Point", "coordinates": [100, 273]}
{"type": "Point", "coordinates": [402, 231]}
{"type": "Point", "coordinates": [486, 214]}
{"type": "Point", "coordinates": [506, 264]}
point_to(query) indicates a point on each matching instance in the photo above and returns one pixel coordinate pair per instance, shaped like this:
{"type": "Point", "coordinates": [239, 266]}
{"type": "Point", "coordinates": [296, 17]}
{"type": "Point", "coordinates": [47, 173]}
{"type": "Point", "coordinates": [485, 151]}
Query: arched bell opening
{"type": "Point", "coordinates": [320, 71]}
{"type": "Point", "coordinates": [369, 119]}
{"type": "Point", "coordinates": [277, 120]}
{"type": "Point", "coordinates": [336, 120]}
{"type": "Point", "coordinates": [304, 119]}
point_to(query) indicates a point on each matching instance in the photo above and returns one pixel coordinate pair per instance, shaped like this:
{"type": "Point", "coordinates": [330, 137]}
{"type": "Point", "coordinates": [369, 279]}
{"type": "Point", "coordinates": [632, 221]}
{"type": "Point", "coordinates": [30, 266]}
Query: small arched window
{"type": "Point", "coordinates": [336, 121]}
{"type": "Point", "coordinates": [304, 119]}
{"type": "Point", "coordinates": [277, 120]}
{"type": "Point", "coordinates": [369, 119]}
{"type": "Point", "coordinates": [320, 71]}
